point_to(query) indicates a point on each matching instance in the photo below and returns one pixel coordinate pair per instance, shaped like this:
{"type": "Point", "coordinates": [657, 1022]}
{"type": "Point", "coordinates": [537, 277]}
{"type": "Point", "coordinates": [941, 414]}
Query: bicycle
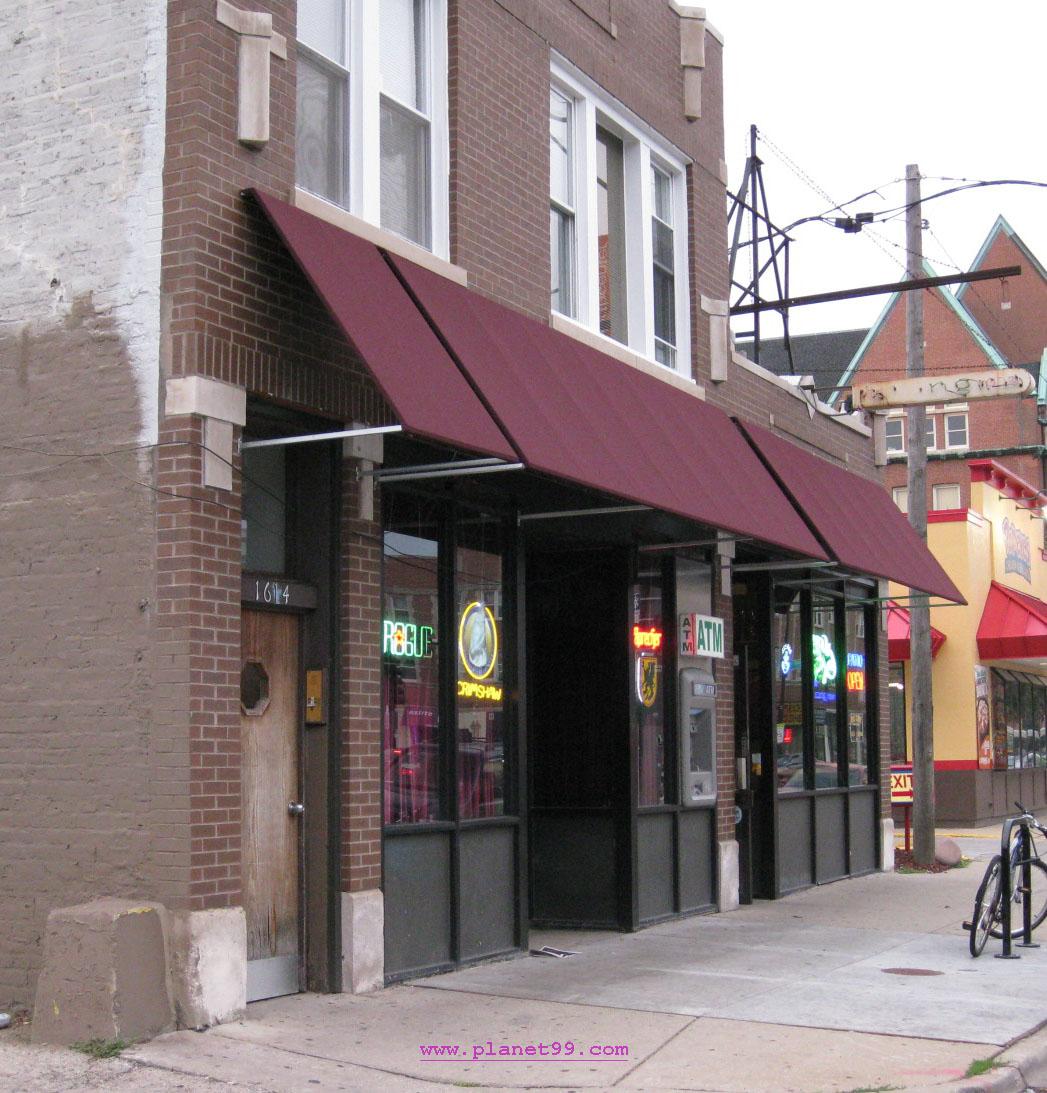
{"type": "Point", "coordinates": [987, 920]}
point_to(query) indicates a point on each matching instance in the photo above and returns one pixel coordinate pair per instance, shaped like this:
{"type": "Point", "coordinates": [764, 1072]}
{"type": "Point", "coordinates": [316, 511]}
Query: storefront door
{"type": "Point", "coordinates": [271, 808]}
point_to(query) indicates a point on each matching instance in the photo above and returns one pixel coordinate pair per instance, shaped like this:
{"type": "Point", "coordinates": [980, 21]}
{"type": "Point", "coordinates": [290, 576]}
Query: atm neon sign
{"type": "Point", "coordinates": [650, 638]}
{"type": "Point", "coordinates": [405, 639]}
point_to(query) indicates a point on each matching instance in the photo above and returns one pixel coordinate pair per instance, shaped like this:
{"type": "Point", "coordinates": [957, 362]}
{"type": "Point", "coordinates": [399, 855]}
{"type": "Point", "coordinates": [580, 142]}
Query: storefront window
{"type": "Point", "coordinates": [825, 673]}
{"type": "Point", "coordinates": [788, 698]}
{"type": "Point", "coordinates": [857, 705]}
{"type": "Point", "coordinates": [999, 722]}
{"type": "Point", "coordinates": [1014, 723]}
{"type": "Point", "coordinates": [410, 642]}
{"type": "Point", "coordinates": [647, 643]}
{"type": "Point", "coordinates": [1029, 742]}
{"type": "Point", "coordinates": [480, 663]}
{"type": "Point", "coordinates": [897, 690]}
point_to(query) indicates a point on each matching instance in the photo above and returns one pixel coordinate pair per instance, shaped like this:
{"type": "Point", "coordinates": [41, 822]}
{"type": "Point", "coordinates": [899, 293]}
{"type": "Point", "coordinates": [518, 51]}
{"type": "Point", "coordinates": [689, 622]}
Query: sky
{"type": "Point", "coordinates": [845, 95]}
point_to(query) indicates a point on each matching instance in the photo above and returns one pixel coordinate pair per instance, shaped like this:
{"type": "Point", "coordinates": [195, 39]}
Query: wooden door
{"type": "Point", "coordinates": [271, 822]}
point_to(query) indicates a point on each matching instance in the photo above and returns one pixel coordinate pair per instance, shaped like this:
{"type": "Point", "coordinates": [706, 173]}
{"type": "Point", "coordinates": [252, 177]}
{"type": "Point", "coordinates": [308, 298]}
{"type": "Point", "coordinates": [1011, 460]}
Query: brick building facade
{"type": "Point", "coordinates": [188, 577]}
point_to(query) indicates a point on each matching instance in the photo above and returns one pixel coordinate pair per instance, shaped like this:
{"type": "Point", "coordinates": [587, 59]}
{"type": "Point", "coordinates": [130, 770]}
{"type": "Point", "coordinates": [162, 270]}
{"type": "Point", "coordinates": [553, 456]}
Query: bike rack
{"type": "Point", "coordinates": [1025, 857]}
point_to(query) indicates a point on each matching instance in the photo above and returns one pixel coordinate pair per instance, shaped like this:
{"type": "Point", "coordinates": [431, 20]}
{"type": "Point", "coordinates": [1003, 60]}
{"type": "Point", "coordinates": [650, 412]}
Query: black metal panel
{"type": "Point", "coordinates": [654, 875]}
{"type": "Point", "coordinates": [417, 902]}
{"type": "Point", "coordinates": [830, 836]}
{"type": "Point", "coordinates": [697, 858]}
{"type": "Point", "coordinates": [865, 821]}
{"type": "Point", "coordinates": [794, 842]}
{"type": "Point", "coordinates": [486, 891]}
{"type": "Point", "coordinates": [573, 868]}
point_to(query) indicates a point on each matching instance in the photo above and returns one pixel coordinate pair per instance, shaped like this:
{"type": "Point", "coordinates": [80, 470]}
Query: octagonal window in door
{"type": "Point", "coordinates": [254, 689]}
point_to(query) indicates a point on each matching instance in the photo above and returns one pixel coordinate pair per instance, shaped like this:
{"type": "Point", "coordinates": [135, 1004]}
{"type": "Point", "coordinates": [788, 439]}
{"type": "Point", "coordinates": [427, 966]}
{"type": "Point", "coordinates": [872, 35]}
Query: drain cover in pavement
{"type": "Point", "coordinates": [910, 971]}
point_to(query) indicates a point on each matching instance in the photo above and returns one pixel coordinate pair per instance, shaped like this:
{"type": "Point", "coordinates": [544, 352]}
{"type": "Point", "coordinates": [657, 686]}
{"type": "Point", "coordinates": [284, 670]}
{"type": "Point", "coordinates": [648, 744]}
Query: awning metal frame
{"type": "Point", "coordinates": [567, 514]}
{"type": "Point", "coordinates": [310, 438]}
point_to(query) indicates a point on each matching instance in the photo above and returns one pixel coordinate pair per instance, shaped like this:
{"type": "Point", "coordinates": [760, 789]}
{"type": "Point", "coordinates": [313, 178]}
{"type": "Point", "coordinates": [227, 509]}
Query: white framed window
{"type": "Point", "coordinates": [946, 496]}
{"type": "Point", "coordinates": [956, 431]}
{"type": "Point", "coordinates": [894, 430]}
{"type": "Point", "coordinates": [618, 223]}
{"type": "Point", "coordinates": [929, 425]}
{"type": "Point", "coordinates": [372, 112]}
{"type": "Point", "coordinates": [900, 496]}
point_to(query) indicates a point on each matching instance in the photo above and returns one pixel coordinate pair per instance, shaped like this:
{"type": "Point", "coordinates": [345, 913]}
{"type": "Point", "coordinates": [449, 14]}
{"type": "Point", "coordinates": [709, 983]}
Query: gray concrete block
{"type": "Point", "coordinates": [363, 941]}
{"type": "Point", "coordinates": [104, 974]}
{"type": "Point", "coordinates": [208, 966]}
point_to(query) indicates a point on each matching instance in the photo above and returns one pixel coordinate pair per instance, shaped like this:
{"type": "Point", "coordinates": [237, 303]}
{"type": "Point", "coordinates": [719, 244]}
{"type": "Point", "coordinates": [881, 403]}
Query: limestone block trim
{"type": "Point", "coordinates": [258, 41]}
{"type": "Point", "coordinates": [387, 240]}
{"type": "Point", "coordinates": [887, 846]}
{"type": "Point", "coordinates": [363, 941]}
{"type": "Point", "coordinates": [692, 56]}
{"type": "Point", "coordinates": [206, 398]}
{"type": "Point", "coordinates": [611, 348]}
{"type": "Point", "coordinates": [208, 960]}
{"type": "Point", "coordinates": [727, 874]}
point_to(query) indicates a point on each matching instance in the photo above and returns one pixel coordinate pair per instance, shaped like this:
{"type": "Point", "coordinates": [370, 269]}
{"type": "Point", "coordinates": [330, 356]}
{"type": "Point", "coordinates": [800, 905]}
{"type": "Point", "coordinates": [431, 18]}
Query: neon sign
{"type": "Point", "coordinates": [647, 639]}
{"type": "Point", "coordinates": [484, 692]}
{"type": "Point", "coordinates": [855, 660]}
{"type": "Point", "coordinates": [405, 639]}
{"type": "Point", "coordinates": [786, 663]}
{"type": "Point", "coordinates": [478, 640]}
{"type": "Point", "coordinates": [824, 659]}
{"type": "Point", "coordinates": [855, 679]}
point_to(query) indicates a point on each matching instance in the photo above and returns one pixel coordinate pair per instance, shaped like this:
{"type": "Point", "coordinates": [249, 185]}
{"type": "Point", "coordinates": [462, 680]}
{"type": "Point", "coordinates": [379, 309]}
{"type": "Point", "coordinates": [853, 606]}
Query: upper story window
{"type": "Point", "coordinates": [617, 223]}
{"type": "Point", "coordinates": [900, 495]}
{"type": "Point", "coordinates": [895, 433]}
{"type": "Point", "coordinates": [372, 112]}
{"type": "Point", "coordinates": [945, 496]}
{"type": "Point", "coordinates": [956, 431]}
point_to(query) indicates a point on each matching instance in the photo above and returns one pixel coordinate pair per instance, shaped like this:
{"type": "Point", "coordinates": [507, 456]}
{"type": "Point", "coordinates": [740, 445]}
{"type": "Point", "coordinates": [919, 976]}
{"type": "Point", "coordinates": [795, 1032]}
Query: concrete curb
{"type": "Point", "coordinates": [1023, 1066]}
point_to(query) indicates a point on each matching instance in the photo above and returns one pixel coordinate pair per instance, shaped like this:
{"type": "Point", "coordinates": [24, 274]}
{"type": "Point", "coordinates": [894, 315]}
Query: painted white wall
{"type": "Point", "coordinates": [82, 96]}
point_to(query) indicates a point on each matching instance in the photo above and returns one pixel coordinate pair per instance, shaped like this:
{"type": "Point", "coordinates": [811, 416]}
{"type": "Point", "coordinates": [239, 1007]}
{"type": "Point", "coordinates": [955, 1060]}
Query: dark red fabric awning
{"type": "Point", "coordinates": [898, 625]}
{"type": "Point", "coordinates": [424, 386]}
{"type": "Point", "coordinates": [854, 517]}
{"type": "Point", "coordinates": [581, 415]}
{"type": "Point", "coordinates": [1013, 625]}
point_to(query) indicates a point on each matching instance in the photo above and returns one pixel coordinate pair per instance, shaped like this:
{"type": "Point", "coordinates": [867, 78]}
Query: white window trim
{"type": "Point", "coordinates": [937, 487]}
{"type": "Point", "coordinates": [902, 449]}
{"type": "Point", "coordinates": [896, 493]}
{"type": "Point", "coordinates": [592, 107]}
{"type": "Point", "coordinates": [967, 430]}
{"type": "Point", "coordinates": [364, 142]}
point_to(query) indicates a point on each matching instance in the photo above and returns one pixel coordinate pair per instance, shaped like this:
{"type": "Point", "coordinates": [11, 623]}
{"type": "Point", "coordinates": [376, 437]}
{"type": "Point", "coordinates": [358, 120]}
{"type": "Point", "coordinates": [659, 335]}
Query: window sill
{"type": "Point", "coordinates": [381, 237]}
{"type": "Point", "coordinates": [611, 348]}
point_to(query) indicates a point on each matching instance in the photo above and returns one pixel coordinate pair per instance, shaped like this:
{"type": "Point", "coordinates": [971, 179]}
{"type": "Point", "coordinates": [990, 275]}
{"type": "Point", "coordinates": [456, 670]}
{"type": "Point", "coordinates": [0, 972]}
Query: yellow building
{"type": "Point", "coordinates": [990, 665]}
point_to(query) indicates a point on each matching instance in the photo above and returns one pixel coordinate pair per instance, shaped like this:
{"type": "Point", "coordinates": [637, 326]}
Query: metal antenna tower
{"type": "Point", "coordinates": [748, 211]}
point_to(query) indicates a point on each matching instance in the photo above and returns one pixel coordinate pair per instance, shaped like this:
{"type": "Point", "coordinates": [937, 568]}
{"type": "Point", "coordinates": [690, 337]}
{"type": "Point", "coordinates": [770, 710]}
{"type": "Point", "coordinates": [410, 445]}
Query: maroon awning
{"type": "Point", "coordinates": [412, 369]}
{"type": "Point", "coordinates": [855, 518]}
{"type": "Point", "coordinates": [581, 415]}
{"type": "Point", "coordinates": [1013, 625]}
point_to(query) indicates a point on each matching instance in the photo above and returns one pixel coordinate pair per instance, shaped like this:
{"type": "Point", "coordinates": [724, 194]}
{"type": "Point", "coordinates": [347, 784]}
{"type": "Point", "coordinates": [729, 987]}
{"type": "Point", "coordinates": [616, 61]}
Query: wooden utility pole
{"type": "Point", "coordinates": [919, 613]}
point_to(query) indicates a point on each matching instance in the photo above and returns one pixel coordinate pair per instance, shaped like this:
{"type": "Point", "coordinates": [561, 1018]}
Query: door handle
{"type": "Point", "coordinates": [296, 808]}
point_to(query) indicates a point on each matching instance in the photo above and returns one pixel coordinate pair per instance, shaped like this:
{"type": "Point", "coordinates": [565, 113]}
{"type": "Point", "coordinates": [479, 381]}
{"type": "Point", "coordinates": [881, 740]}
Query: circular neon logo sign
{"type": "Point", "coordinates": [478, 640]}
{"type": "Point", "coordinates": [785, 664]}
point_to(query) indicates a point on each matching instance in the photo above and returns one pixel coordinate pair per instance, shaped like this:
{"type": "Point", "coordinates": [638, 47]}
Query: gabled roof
{"type": "Point", "coordinates": [1001, 227]}
{"type": "Point", "coordinates": [821, 355]}
{"type": "Point", "coordinates": [979, 336]}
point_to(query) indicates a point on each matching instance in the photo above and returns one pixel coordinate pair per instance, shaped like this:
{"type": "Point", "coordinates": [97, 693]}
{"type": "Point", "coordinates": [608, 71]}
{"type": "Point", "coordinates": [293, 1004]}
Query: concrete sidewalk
{"type": "Point", "coordinates": [865, 984]}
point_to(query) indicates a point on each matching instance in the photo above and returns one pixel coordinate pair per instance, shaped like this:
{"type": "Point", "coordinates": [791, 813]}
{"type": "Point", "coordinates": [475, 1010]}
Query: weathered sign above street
{"type": "Point", "coordinates": [961, 387]}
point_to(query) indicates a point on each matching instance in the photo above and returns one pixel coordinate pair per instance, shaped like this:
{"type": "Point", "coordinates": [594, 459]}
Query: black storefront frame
{"type": "Point", "coordinates": [454, 830]}
{"type": "Point", "coordinates": [811, 814]}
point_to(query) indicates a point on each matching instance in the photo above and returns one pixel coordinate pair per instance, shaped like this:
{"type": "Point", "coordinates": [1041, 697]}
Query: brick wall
{"type": "Point", "coordinates": [361, 757]}
{"type": "Point", "coordinates": [79, 277]}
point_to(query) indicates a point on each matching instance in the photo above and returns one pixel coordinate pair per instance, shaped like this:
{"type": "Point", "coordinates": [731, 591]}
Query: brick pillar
{"type": "Point", "coordinates": [198, 623]}
{"type": "Point", "coordinates": [362, 907]}
{"type": "Point", "coordinates": [726, 832]}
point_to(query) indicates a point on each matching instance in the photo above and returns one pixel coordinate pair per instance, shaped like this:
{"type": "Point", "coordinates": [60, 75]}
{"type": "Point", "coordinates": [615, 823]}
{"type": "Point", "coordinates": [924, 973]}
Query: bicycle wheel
{"type": "Point", "coordinates": [986, 908]}
{"type": "Point", "coordinates": [1037, 896]}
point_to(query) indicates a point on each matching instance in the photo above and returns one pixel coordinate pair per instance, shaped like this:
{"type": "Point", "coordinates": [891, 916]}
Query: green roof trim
{"type": "Point", "coordinates": [1002, 227]}
{"type": "Point", "coordinates": [965, 317]}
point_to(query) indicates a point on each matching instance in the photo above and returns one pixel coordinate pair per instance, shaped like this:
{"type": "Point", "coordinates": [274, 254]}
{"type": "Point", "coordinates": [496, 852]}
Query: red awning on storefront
{"type": "Point", "coordinates": [898, 623]}
{"type": "Point", "coordinates": [1013, 625]}
{"type": "Point", "coordinates": [853, 517]}
{"type": "Point", "coordinates": [583, 416]}
{"type": "Point", "coordinates": [412, 369]}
